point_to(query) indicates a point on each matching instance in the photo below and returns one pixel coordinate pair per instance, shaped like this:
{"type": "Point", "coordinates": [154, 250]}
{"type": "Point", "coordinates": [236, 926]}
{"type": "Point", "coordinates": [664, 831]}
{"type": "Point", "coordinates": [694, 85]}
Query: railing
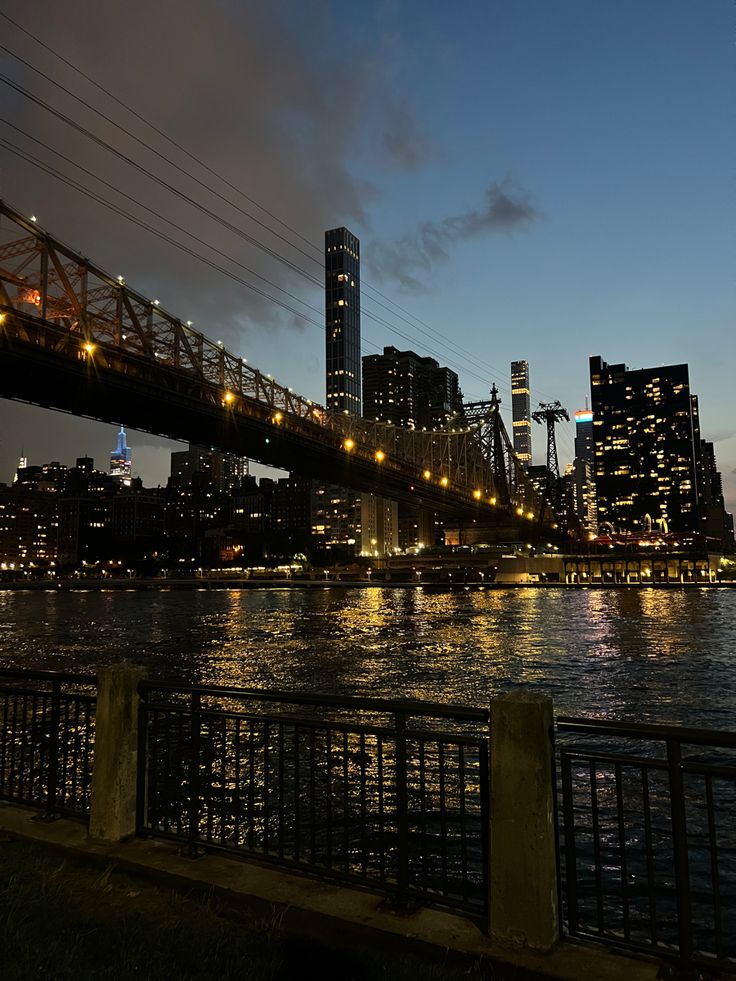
{"type": "Point", "coordinates": [649, 840]}
{"type": "Point", "coordinates": [392, 796]}
{"type": "Point", "coordinates": [47, 740]}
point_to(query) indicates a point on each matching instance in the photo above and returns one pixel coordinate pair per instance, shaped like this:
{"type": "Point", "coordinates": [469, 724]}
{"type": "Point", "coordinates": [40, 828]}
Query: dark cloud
{"type": "Point", "coordinates": [506, 207]}
{"type": "Point", "coordinates": [405, 143]}
{"type": "Point", "coordinates": [260, 92]}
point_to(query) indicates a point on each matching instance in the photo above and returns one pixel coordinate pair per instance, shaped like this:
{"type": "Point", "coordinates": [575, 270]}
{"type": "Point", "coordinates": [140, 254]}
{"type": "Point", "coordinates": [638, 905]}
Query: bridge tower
{"type": "Point", "coordinates": [551, 413]}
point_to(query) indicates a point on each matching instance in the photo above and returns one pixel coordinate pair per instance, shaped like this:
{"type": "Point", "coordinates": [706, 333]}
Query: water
{"type": "Point", "coordinates": [646, 655]}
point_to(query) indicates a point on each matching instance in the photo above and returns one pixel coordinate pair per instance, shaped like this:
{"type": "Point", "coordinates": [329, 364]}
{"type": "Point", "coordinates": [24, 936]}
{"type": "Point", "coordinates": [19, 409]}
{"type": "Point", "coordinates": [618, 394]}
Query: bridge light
{"type": "Point", "coordinates": [189, 323]}
{"type": "Point", "coordinates": [121, 280]}
{"type": "Point", "coordinates": [492, 501]}
{"type": "Point", "coordinates": [427, 474]}
{"type": "Point", "coordinates": [530, 515]}
{"type": "Point", "coordinates": [477, 494]}
{"type": "Point", "coordinates": [229, 397]}
{"type": "Point", "coordinates": [89, 347]}
{"type": "Point", "coordinates": [444, 481]}
{"type": "Point", "coordinates": [278, 417]}
{"type": "Point", "coordinates": [33, 218]}
{"type": "Point", "coordinates": [2, 318]}
{"type": "Point", "coordinates": [520, 511]}
{"type": "Point", "coordinates": [124, 337]}
{"type": "Point", "coordinates": [155, 303]}
{"type": "Point", "coordinates": [380, 456]}
{"type": "Point", "coordinates": [349, 444]}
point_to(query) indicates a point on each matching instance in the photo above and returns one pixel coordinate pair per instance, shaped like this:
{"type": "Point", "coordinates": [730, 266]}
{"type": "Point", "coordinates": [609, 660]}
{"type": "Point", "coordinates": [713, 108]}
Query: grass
{"type": "Point", "coordinates": [62, 918]}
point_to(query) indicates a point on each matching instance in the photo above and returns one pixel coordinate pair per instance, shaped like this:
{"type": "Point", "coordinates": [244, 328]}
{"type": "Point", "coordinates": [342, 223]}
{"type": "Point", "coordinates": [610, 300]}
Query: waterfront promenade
{"type": "Point", "coordinates": [391, 798]}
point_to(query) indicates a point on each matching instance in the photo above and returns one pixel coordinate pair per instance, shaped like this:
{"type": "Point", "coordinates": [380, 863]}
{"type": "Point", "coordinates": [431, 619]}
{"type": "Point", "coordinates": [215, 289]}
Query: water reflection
{"type": "Point", "coordinates": [641, 654]}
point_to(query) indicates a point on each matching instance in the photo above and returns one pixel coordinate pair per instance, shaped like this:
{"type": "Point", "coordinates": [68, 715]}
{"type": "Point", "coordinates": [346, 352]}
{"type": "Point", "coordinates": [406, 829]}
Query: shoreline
{"type": "Point", "coordinates": [168, 585]}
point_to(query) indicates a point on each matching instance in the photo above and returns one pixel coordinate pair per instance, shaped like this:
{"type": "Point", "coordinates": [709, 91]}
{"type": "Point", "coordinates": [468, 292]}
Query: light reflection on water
{"type": "Point", "coordinates": [648, 655]}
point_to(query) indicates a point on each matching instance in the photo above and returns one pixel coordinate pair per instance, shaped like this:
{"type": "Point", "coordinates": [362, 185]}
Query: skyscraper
{"type": "Point", "coordinates": [120, 459]}
{"type": "Point", "coordinates": [521, 410]}
{"type": "Point", "coordinates": [342, 321]}
{"type": "Point", "coordinates": [646, 442]}
{"type": "Point", "coordinates": [580, 475]}
{"type": "Point", "coordinates": [408, 390]}
{"type": "Point", "coordinates": [584, 435]}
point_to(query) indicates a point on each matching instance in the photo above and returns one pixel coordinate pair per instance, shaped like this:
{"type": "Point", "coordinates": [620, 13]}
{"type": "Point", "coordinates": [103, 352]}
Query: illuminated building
{"type": "Point", "coordinates": [29, 526]}
{"type": "Point", "coordinates": [408, 390]}
{"type": "Point", "coordinates": [584, 435]}
{"type": "Point", "coordinates": [120, 460]}
{"type": "Point", "coordinates": [521, 410]}
{"type": "Point", "coordinates": [22, 464]}
{"type": "Point", "coordinates": [342, 321]}
{"type": "Point", "coordinates": [223, 471]}
{"type": "Point", "coordinates": [580, 475]}
{"type": "Point", "coordinates": [647, 448]}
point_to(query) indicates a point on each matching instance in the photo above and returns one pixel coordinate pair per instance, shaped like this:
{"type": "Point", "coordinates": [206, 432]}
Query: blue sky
{"type": "Point", "coordinates": [606, 127]}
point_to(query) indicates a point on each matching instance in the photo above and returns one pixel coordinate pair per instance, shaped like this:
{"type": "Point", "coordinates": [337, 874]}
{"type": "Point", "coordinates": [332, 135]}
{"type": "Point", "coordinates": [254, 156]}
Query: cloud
{"type": "Point", "coordinates": [261, 93]}
{"type": "Point", "coordinates": [405, 143]}
{"type": "Point", "coordinates": [505, 208]}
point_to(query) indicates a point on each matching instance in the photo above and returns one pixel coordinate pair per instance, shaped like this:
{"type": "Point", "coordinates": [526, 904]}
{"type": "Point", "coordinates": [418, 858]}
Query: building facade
{"type": "Point", "coordinates": [409, 390]}
{"type": "Point", "coordinates": [342, 321]}
{"type": "Point", "coordinates": [521, 411]}
{"type": "Point", "coordinates": [647, 446]}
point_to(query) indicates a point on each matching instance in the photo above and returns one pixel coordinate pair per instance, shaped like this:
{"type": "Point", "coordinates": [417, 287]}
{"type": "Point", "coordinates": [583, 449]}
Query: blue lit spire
{"type": "Point", "coordinates": [120, 458]}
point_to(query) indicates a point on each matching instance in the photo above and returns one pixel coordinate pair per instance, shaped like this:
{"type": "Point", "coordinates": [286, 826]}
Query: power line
{"type": "Point", "coordinates": [435, 335]}
{"type": "Point", "coordinates": [429, 331]}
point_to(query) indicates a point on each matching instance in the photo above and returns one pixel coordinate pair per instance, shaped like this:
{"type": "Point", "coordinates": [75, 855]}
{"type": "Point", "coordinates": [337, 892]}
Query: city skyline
{"type": "Point", "coordinates": [600, 225]}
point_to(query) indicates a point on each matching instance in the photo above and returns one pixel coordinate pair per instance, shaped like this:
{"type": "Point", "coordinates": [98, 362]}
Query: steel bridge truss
{"type": "Point", "coordinates": [63, 301]}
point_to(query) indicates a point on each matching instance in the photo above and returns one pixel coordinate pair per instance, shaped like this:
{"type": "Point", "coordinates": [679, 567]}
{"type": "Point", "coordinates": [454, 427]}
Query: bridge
{"type": "Point", "coordinates": [76, 339]}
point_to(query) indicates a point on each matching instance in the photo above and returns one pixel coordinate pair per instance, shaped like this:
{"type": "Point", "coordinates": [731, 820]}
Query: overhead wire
{"type": "Point", "coordinates": [415, 325]}
{"type": "Point", "coordinates": [428, 331]}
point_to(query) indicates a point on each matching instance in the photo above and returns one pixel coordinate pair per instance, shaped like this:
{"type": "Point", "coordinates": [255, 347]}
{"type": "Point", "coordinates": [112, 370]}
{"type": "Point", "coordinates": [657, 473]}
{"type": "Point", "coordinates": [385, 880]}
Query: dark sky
{"type": "Point", "coordinates": [528, 180]}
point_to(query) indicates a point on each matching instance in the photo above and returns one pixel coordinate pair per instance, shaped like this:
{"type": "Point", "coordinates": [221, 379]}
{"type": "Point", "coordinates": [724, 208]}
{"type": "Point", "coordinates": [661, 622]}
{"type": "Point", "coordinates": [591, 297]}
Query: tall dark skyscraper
{"type": "Point", "coordinates": [521, 410]}
{"type": "Point", "coordinates": [646, 440]}
{"type": "Point", "coordinates": [342, 321]}
{"type": "Point", "coordinates": [408, 390]}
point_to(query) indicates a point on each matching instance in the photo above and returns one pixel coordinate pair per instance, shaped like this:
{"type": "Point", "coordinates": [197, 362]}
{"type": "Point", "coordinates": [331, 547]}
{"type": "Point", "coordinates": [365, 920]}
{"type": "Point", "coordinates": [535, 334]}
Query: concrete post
{"type": "Point", "coordinates": [523, 874]}
{"type": "Point", "coordinates": [112, 813]}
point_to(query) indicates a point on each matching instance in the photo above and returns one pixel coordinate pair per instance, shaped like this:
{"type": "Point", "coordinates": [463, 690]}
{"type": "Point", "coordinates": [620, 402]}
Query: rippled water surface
{"type": "Point", "coordinates": [639, 654]}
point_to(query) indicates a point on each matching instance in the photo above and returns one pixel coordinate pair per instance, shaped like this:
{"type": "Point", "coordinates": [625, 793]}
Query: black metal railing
{"type": "Point", "coordinates": [389, 795]}
{"type": "Point", "coordinates": [648, 838]}
{"type": "Point", "coordinates": [47, 727]}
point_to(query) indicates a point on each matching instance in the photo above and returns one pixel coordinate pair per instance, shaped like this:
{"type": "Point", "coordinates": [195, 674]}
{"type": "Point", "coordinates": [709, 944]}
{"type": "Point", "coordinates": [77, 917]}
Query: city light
{"type": "Point", "coordinates": [349, 444]}
{"type": "Point", "coordinates": [380, 456]}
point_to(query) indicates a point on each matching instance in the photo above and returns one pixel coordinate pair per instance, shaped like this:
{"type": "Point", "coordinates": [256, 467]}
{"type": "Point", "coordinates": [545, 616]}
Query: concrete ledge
{"type": "Point", "coordinates": [309, 907]}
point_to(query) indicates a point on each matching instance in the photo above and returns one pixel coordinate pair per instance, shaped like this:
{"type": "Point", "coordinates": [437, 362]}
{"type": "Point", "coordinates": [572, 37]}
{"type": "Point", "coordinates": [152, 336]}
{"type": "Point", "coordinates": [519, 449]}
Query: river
{"type": "Point", "coordinates": [645, 655]}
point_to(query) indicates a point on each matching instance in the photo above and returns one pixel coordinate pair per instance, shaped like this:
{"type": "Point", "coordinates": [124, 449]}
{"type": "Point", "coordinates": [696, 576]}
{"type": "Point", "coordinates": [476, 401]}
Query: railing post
{"type": "Point", "coordinates": [523, 902]}
{"type": "Point", "coordinates": [195, 722]}
{"type": "Point", "coordinates": [52, 772]}
{"type": "Point", "coordinates": [402, 811]}
{"type": "Point", "coordinates": [680, 850]}
{"type": "Point", "coordinates": [114, 777]}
